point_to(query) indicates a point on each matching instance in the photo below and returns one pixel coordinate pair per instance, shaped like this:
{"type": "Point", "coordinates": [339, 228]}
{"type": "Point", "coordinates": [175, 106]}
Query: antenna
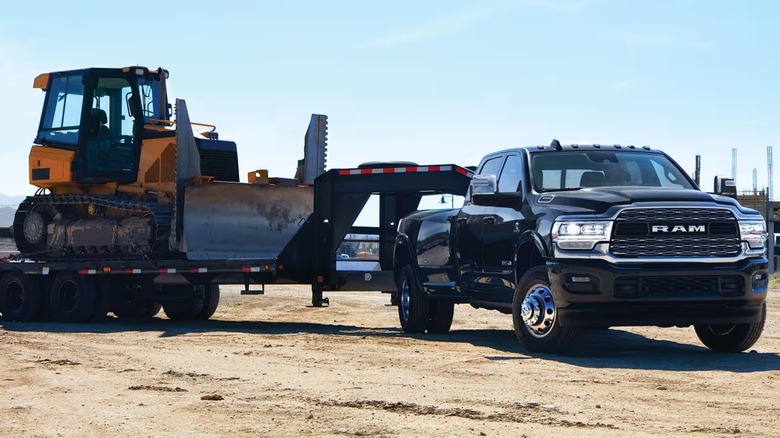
{"type": "Point", "coordinates": [697, 171]}
{"type": "Point", "coordinates": [734, 164]}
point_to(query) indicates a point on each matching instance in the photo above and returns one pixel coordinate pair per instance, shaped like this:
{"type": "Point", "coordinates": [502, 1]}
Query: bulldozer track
{"type": "Point", "coordinates": [160, 214]}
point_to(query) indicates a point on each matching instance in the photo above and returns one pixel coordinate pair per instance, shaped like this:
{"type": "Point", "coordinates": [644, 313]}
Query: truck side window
{"type": "Point", "coordinates": [492, 166]}
{"type": "Point", "coordinates": [511, 175]}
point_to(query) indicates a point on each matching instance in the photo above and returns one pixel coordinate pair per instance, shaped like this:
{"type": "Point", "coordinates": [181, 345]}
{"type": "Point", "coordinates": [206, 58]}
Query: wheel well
{"type": "Point", "coordinates": [528, 256]}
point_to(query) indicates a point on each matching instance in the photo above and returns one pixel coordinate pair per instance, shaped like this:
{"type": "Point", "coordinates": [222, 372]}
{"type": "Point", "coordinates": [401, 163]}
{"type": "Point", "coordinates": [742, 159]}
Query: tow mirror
{"type": "Point", "coordinates": [483, 184]}
{"type": "Point", "coordinates": [725, 186]}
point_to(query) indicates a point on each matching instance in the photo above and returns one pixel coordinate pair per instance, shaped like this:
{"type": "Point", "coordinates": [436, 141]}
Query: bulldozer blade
{"type": "Point", "coordinates": [225, 221]}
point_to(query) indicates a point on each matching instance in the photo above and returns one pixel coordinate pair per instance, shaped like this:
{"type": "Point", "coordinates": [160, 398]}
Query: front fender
{"type": "Point", "coordinates": [534, 238]}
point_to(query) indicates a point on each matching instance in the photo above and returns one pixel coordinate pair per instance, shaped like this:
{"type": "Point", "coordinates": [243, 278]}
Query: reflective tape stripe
{"type": "Point", "coordinates": [408, 169]}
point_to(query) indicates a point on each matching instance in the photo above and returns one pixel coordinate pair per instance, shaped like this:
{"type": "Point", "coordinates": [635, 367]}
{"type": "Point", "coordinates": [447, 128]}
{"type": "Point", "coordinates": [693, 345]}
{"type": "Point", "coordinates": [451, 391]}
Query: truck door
{"type": "Point", "coordinates": [468, 254]}
{"type": "Point", "coordinates": [468, 232]}
{"type": "Point", "coordinates": [502, 227]}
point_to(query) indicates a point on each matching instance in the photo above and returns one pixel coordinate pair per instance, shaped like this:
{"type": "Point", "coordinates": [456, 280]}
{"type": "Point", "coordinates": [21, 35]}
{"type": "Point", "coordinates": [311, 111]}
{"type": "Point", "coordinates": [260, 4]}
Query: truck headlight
{"type": "Point", "coordinates": [583, 235]}
{"type": "Point", "coordinates": [753, 232]}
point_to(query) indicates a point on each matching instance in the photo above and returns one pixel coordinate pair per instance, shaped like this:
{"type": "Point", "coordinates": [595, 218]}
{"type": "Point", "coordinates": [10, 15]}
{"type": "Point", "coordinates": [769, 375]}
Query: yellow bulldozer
{"type": "Point", "coordinates": [120, 177]}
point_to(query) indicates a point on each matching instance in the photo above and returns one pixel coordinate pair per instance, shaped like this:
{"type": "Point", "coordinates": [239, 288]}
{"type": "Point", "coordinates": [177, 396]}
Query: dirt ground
{"type": "Point", "coordinates": [270, 366]}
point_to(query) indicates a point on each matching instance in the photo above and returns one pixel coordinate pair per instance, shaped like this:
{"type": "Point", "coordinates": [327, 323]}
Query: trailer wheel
{"type": "Point", "coordinates": [186, 302]}
{"type": "Point", "coordinates": [141, 308]}
{"type": "Point", "coordinates": [210, 301]}
{"type": "Point", "coordinates": [191, 303]}
{"type": "Point", "coordinates": [72, 297]}
{"type": "Point", "coordinates": [731, 338]}
{"type": "Point", "coordinates": [413, 305]}
{"type": "Point", "coordinates": [133, 302]}
{"type": "Point", "coordinates": [20, 297]}
{"type": "Point", "coordinates": [534, 314]}
{"type": "Point", "coordinates": [441, 313]}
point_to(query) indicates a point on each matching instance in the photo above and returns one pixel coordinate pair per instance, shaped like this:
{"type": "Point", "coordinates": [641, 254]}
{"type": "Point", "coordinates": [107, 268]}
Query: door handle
{"type": "Point", "coordinates": [489, 220]}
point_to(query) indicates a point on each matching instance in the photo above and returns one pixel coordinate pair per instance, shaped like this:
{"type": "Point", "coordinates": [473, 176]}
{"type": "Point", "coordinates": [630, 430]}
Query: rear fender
{"type": "Point", "coordinates": [403, 254]}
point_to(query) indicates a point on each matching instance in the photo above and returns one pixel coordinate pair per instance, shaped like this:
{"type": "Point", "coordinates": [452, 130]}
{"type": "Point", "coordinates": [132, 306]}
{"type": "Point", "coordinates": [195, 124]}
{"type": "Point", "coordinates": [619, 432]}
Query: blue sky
{"type": "Point", "coordinates": [431, 82]}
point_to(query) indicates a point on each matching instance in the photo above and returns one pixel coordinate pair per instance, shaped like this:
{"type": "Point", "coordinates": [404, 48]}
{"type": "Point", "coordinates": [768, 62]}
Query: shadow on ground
{"type": "Point", "coordinates": [593, 348]}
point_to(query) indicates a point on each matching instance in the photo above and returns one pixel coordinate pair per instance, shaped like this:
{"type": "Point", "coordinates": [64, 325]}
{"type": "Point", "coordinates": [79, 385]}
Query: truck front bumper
{"type": "Point", "coordinates": [595, 293]}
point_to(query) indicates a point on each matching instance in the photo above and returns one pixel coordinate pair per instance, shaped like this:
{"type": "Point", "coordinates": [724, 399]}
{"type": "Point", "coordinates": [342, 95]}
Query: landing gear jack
{"type": "Point", "coordinates": [317, 300]}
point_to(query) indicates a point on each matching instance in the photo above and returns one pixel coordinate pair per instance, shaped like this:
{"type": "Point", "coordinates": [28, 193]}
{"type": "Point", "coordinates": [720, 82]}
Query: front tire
{"type": "Point", "coordinates": [413, 305]}
{"type": "Point", "coordinates": [535, 314]}
{"type": "Point", "coordinates": [731, 338]}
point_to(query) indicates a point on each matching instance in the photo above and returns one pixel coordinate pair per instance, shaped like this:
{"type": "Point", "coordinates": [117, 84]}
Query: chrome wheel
{"type": "Point", "coordinates": [538, 311]}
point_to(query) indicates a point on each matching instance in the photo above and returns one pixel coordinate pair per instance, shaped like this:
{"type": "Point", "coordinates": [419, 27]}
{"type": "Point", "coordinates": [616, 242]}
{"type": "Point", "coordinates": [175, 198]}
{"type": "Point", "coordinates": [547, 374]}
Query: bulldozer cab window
{"type": "Point", "coordinates": [110, 143]}
{"type": "Point", "coordinates": [62, 112]}
{"type": "Point", "coordinates": [149, 88]}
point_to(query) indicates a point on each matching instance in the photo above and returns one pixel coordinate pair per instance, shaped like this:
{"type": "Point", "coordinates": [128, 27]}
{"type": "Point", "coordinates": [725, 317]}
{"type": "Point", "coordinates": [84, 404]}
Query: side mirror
{"type": "Point", "coordinates": [483, 184]}
{"type": "Point", "coordinates": [725, 186]}
{"type": "Point", "coordinates": [131, 101]}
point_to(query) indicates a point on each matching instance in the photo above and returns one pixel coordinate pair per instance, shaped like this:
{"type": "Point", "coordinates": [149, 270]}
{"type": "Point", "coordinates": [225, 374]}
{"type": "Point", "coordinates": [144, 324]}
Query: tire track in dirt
{"type": "Point", "coordinates": [519, 413]}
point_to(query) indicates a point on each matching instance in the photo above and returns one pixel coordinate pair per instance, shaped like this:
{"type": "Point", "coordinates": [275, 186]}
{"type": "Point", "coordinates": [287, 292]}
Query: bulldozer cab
{"type": "Point", "coordinates": [99, 114]}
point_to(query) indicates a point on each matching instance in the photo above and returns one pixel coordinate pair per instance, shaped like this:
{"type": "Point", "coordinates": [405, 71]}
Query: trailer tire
{"type": "Point", "coordinates": [187, 304]}
{"type": "Point", "coordinates": [20, 297]}
{"type": "Point", "coordinates": [72, 297]}
{"type": "Point", "coordinates": [441, 313]}
{"type": "Point", "coordinates": [210, 301]}
{"type": "Point", "coordinates": [413, 305]}
{"type": "Point", "coordinates": [128, 303]}
{"type": "Point", "coordinates": [143, 308]}
{"type": "Point", "coordinates": [731, 338]}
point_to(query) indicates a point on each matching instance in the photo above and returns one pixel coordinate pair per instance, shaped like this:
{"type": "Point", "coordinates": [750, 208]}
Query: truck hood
{"type": "Point", "coordinates": [599, 199]}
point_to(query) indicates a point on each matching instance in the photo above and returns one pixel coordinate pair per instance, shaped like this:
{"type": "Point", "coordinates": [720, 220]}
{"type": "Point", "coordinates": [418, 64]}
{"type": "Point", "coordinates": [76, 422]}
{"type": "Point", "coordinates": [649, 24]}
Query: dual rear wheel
{"type": "Point", "coordinates": [419, 313]}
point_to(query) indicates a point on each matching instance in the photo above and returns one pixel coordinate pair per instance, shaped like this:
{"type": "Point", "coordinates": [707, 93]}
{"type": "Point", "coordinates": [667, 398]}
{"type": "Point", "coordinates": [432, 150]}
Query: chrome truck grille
{"type": "Point", "coordinates": [675, 232]}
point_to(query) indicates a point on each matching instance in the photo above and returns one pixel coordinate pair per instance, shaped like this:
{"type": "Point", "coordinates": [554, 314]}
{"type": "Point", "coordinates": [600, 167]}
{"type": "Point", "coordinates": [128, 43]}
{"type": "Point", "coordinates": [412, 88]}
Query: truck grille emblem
{"type": "Point", "coordinates": [678, 229]}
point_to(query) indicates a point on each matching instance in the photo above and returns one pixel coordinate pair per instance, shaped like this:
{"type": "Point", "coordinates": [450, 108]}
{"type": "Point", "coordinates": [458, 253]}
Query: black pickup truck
{"type": "Point", "coordinates": [565, 237]}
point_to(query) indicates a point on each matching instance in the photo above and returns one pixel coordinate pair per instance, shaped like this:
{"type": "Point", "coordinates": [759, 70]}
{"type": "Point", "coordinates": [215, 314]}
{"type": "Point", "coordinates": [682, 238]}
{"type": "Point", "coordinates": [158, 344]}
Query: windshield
{"type": "Point", "coordinates": [573, 170]}
{"type": "Point", "coordinates": [149, 88]}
